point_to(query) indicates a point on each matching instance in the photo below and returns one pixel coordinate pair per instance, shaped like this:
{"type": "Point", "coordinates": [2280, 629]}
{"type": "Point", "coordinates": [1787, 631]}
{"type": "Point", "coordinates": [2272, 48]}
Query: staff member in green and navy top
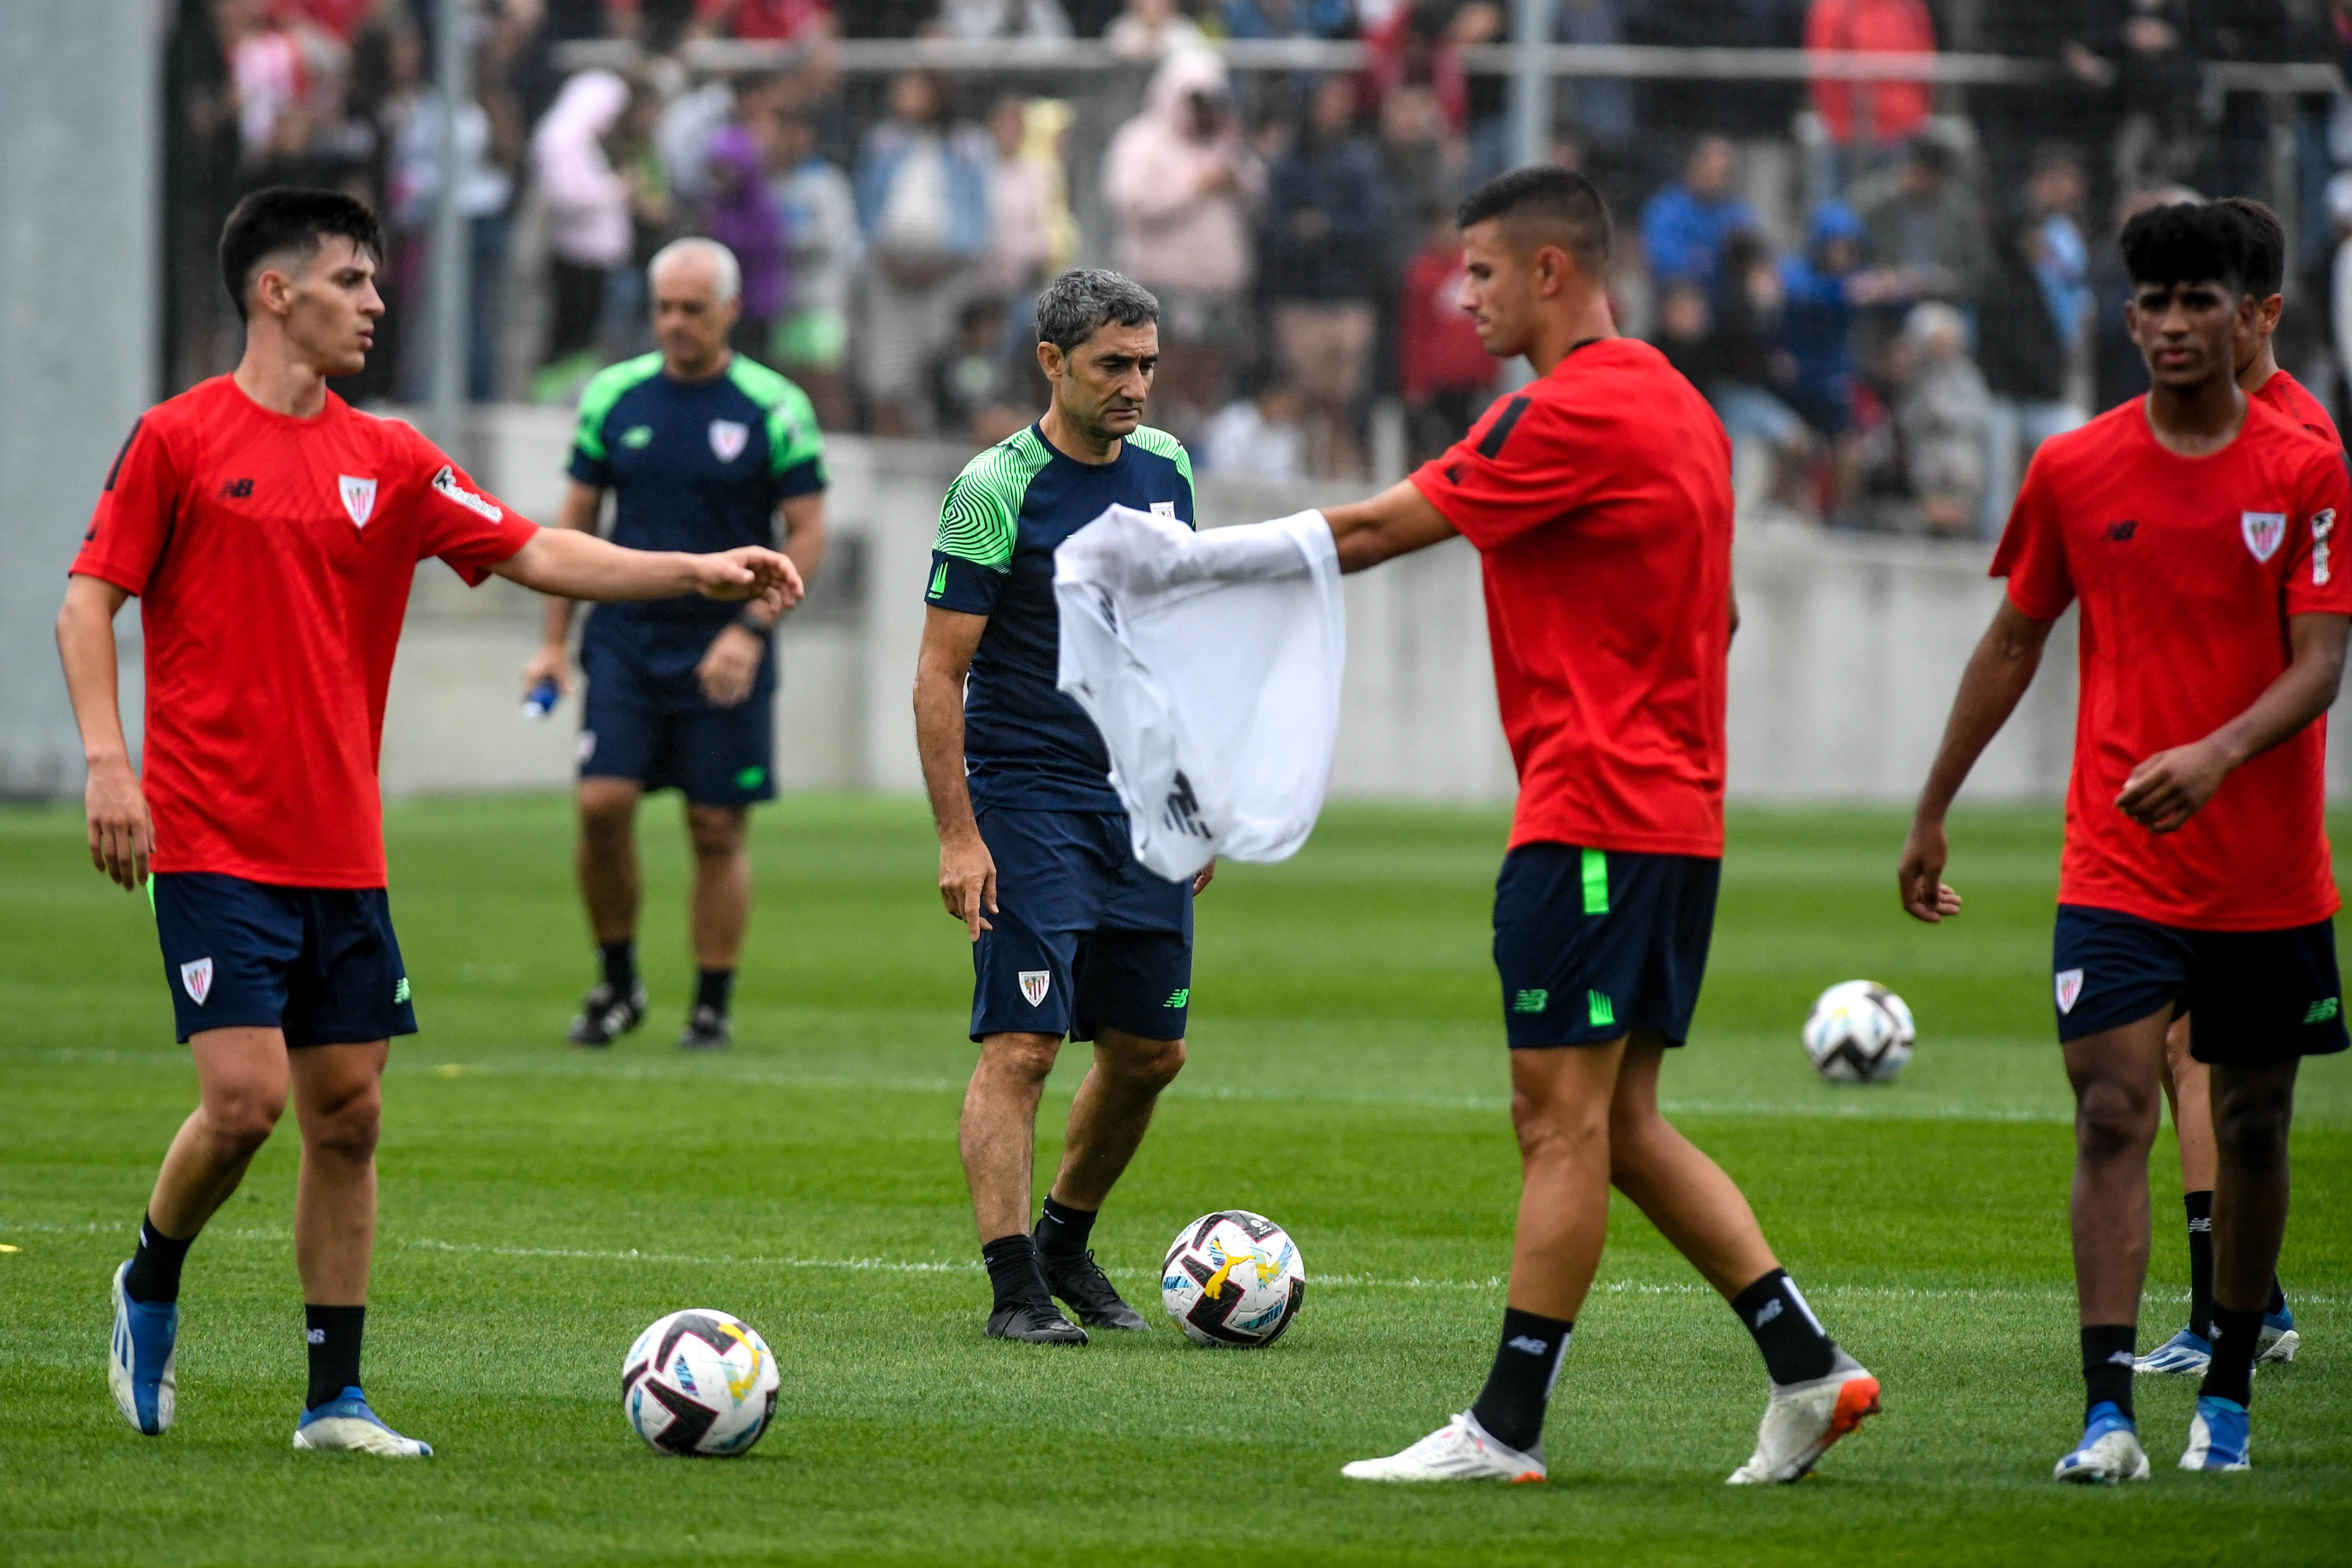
{"type": "Point", "coordinates": [702, 449]}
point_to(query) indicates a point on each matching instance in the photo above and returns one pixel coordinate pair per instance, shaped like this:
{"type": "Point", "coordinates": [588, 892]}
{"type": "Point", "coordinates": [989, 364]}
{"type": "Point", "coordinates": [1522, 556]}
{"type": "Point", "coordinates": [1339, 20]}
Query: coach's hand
{"type": "Point", "coordinates": [552, 662]}
{"type": "Point", "coordinates": [2168, 789]}
{"type": "Point", "coordinates": [1206, 876]}
{"type": "Point", "coordinates": [752, 571]}
{"type": "Point", "coordinates": [968, 883]}
{"type": "Point", "coordinates": [121, 835]}
{"type": "Point", "coordinates": [729, 668]}
{"type": "Point", "coordinates": [1921, 875]}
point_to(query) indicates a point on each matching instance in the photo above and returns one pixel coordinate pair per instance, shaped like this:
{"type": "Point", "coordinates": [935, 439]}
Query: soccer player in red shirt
{"type": "Point", "coordinates": [2185, 1077]}
{"type": "Point", "coordinates": [2196, 526]}
{"type": "Point", "coordinates": [1599, 498]}
{"type": "Point", "coordinates": [270, 532]}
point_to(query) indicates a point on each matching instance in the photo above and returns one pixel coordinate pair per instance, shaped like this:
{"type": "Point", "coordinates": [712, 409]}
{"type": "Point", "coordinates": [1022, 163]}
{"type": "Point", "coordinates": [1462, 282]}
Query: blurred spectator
{"type": "Point", "coordinates": [484, 190]}
{"type": "Point", "coordinates": [1603, 107]}
{"type": "Point", "coordinates": [1867, 120]}
{"type": "Point", "coordinates": [1021, 198]}
{"type": "Point", "coordinates": [1922, 222]}
{"type": "Point", "coordinates": [1684, 226]}
{"type": "Point", "coordinates": [1149, 28]}
{"type": "Point", "coordinates": [821, 230]}
{"type": "Point", "coordinates": [778, 21]}
{"type": "Point", "coordinates": [1817, 320]}
{"type": "Point", "coordinates": [922, 199]}
{"type": "Point", "coordinates": [741, 213]}
{"type": "Point", "coordinates": [1943, 415]}
{"type": "Point", "coordinates": [1030, 19]}
{"type": "Point", "coordinates": [972, 387]}
{"type": "Point", "coordinates": [1288, 18]}
{"type": "Point", "coordinates": [1259, 436]}
{"type": "Point", "coordinates": [1417, 47]}
{"type": "Point", "coordinates": [1444, 373]}
{"type": "Point", "coordinates": [1744, 369]}
{"type": "Point", "coordinates": [1179, 181]}
{"type": "Point", "coordinates": [1319, 268]}
{"type": "Point", "coordinates": [2024, 360]}
{"type": "Point", "coordinates": [686, 126]}
{"type": "Point", "coordinates": [2157, 88]}
{"type": "Point", "coordinates": [1685, 332]}
{"type": "Point", "coordinates": [587, 208]}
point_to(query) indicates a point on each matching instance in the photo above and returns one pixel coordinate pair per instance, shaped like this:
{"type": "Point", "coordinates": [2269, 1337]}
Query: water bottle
{"type": "Point", "coordinates": [542, 700]}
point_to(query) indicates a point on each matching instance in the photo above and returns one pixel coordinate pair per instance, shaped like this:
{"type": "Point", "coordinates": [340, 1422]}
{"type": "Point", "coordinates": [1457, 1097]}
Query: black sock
{"type": "Point", "coordinates": [620, 964]}
{"type": "Point", "coordinates": [1527, 1364]}
{"type": "Point", "coordinates": [333, 1335]}
{"type": "Point", "coordinates": [2107, 1353]}
{"type": "Point", "coordinates": [1013, 1270]}
{"type": "Point", "coordinates": [155, 1276]}
{"type": "Point", "coordinates": [1795, 1349]}
{"type": "Point", "coordinates": [2277, 1304]}
{"type": "Point", "coordinates": [714, 988]}
{"type": "Point", "coordinates": [2199, 1206]}
{"type": "Point", "coordinates": [1063, 1231]}
{"type": "Point", "coordinates": [2230, 1373]}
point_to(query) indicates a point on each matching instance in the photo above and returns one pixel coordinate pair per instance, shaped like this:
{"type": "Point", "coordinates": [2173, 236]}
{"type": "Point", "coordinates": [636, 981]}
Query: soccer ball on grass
{"type": "Point", "coordinates": [1234, 1278]}
{"type": "Point", "coordinates": [1860, 1032]}
{"type": "Point", "coordinates": [700, 1383]}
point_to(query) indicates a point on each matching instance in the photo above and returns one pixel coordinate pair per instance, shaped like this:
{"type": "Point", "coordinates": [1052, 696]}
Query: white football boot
{"type": "Point", "coordinates": [1461, 1451]}
{"type": "Point", "coordinates": [346, 1425]}
{"type": "Point", "coordinates": [2108, 1453]}
{"type": "Point", "coordinates": [1802, 1419]}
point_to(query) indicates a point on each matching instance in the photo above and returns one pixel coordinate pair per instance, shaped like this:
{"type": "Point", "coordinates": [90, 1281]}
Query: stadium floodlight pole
{"type": "Point", "coordinates": [1531, 82]}
{"type": "Point", "coordinates": [450, 248]}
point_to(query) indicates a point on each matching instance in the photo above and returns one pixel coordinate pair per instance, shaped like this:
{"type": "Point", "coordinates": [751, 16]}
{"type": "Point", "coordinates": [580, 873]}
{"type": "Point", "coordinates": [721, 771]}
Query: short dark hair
{"type": "Point", "coordinates": [2186, 242]}
{"type": "Point", "coordinates": [2265, 246]}
{"type": "Point", "coordinates": [1561, 198]}
{"type": "Point", "coordinates": [1087, 298]}
{"type": "Point", "coordinates": [282, 218]}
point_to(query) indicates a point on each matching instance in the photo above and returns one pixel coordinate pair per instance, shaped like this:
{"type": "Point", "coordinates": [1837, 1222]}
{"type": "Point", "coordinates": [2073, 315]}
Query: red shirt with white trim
{"type": "Point", "coordinates": [2290, 397]}
{"type": "Point", "coordinates": [2186, 568]}
{"type": "Point", "coordinates": [272, 557]}
{"type": "Point", "coordinates": [1600, 500]}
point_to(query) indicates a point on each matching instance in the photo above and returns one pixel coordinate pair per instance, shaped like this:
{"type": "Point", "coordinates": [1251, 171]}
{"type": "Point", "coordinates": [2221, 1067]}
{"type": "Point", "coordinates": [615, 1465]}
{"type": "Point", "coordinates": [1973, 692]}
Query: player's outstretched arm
{"type": "Point", "coordinates": [122, 835]}
{"type": "Point", "coordinates": [1397, 520]}
{"type": "Point", "coordinates": [1998, 672]}
{"type": "Point", "coordinates": [2168, 789]}
{"type": "Point", "coordinates": [581, 565]}
{"type": "Point", "coordinates": [967, 871]}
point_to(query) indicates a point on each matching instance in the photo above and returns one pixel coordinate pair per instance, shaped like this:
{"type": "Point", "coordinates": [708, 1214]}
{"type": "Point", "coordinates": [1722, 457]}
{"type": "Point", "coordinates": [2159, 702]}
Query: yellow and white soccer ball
{"type": "Point", "coordinates": [700, 1383]}
{"type": "Point", "coordinates": [1233, 1278]}
{"type": "Point", "coordinates": [1860, 1032]}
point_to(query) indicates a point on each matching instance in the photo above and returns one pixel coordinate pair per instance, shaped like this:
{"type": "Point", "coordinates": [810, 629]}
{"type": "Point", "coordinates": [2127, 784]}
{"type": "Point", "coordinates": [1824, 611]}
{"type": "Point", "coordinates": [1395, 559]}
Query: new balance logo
{"type": "Point", "coordinates": [314, 1336]}
{"type": "Point", "coordinates": [938, 580]}
{"type": "Point", "coordinates": [400, 992]}
{"type": "Point", "coordinates": [1180, 997]}
{"type": "Point", "coordinates": [236, 490]}
{"type": "Point", "coordinates": [2203, 1227]}
{"type": "Point", "coordinates": [1182, 811]}
{"type": "Point", "coordinates": [2125, 1358]}
{"type": "Point", "coordinates": [1529, 1343]}
{"type": "Point", "coordinates": [1533, 1001]}
{"type": "Point", "coordinates": [1772, 1310]}
{"type": "Point", "coordinates": [1599, 1010]}
{"type": "Point", "coordinates": [2323, 1010]}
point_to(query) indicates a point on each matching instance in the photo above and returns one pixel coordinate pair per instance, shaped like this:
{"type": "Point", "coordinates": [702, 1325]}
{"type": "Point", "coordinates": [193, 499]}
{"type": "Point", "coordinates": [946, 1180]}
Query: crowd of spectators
{"type": "Point", "coordinates": [1891, 291]}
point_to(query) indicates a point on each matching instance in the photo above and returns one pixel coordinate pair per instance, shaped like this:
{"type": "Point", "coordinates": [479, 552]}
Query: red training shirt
{"type": "Point", "coordinates": [272, 557]}
{"type": "Point", "coordinates": [1600, 500]}
{"type": "Point", "coordinates": [2286, 394]}
{"type": "Point", "coordinates": [2186, 568]}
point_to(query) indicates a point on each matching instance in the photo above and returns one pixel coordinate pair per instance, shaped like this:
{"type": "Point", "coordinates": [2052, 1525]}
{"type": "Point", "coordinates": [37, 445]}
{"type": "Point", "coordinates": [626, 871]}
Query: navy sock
{"type": "Point", "coordinates": [2107, 1352]}
{"type": "Point", "coordinates": [714, 988]}
{"type": "Point", "coordinates": [2277, 1303]}
{"type": "Point", "coordinates": [333, 1336]}
{"type": "Point", "coordinates": [1518, 1387]}
{"type": "Point", "coordinates": [1785, 1329]}
{"type": "Point", "coordinates": [1063, 1231]}
{"type": "Point", "coordinates": [2199, 1206]}
{"type": "Point", "coordinates": [1013, 1270]}
{"type": "Point", "coordinates": [2230, 1373]}
{"type": "Point", "coordinates": [620, 964]}
{"type": "Point", "coordinates": [155, 1275]}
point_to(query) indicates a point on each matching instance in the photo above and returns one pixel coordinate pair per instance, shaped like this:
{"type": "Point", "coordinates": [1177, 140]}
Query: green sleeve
{"type": "Point", "coordinates": [596, 400]}
{"type": "Point", "coordinates": [981, 516]}
{"type": "Point", "coordinates": [793, 438]}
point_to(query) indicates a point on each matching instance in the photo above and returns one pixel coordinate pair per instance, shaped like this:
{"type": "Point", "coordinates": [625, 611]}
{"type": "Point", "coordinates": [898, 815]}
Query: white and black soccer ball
{"type": "Point", "coordinates": [1232, 1277]}
{"type": "Point", "coordinates": [700, 1383]}
{"type": "Point", "coordinates": [1860, 1032]}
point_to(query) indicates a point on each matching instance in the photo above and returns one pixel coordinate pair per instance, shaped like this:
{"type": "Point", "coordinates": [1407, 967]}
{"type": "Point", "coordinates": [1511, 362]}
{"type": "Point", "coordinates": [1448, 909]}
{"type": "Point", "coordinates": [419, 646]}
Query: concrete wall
{"type": "Point", "coordinates": [1844, 665]}
{"type": "Point", "coordinates": [77, 288]}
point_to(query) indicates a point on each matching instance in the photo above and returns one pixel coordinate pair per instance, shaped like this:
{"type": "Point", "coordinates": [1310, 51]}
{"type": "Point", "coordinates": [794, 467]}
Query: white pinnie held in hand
{"type": "Point", "coordinates": [1210, 663]}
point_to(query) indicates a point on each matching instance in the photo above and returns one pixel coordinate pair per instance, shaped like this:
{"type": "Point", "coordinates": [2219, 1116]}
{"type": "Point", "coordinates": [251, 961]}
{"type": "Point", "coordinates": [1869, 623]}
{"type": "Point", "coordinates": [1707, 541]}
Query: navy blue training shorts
{"type": "Point", "coordinates": [717, 755]}
{"type": "Point", "coordinates": [320, 963]}
{"type": "Point", "coordinates": [1591, 944]}
{"type": "Point", "coordinates": [2253, 998]}
{"type": "Point", "coordinates": [1084, 937]}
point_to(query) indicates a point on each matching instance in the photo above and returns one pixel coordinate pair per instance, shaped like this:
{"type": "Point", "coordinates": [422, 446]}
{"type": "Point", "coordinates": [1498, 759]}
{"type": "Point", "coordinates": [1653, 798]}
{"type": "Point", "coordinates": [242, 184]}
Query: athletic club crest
{"type": "Point", "coordinates": [359, 500]}
{"type": "Point", "coordinates": [1034, 983]}
{"type": "Point", "coordinates": [727, 439]}
{"type": "Point", "coordinates": [2070, 990]}
{"type": "Point", "coordinates": [198, 979]}
{"type": "Point", "coordinates": [2264, 531]}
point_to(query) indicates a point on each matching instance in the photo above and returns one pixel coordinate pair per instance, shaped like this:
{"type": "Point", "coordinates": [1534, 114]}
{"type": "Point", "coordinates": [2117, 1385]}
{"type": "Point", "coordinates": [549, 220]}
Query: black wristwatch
{"type": "Point", "coordinates": [751, 622]}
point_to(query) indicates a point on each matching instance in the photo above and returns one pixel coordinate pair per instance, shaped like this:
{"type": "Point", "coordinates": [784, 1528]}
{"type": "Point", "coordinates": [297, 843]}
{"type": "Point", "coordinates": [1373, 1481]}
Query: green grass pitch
{"type": "Point", "coordinates": [1348, 1077]}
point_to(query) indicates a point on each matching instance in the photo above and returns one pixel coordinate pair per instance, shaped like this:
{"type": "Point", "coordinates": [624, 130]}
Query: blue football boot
{"type": "Point", "coordinates": [141, 1360]}
{"type": "Point", "coordinates": [2279, 1341]}
{"type": "Point", "coordinates": [2109, 1451]}
{"type": "Point", "coordinates": [2183, 1354]}
{"type": "Point", "coordinates": [2218, 1435]}
{"type": "Point", "coordinates": [345, 1425]}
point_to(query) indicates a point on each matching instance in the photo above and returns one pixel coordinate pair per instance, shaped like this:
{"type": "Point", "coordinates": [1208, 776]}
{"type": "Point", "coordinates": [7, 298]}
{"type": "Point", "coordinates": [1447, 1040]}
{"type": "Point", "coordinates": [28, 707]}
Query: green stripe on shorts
{"type": "Point", "coordinates": [1596, 882]}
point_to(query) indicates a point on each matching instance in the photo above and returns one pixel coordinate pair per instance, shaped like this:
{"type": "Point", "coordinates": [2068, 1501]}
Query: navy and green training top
{"type": "Point", "coordinates": [1026, 746]}
{"type": "Point", "coordinates": [697, 467]}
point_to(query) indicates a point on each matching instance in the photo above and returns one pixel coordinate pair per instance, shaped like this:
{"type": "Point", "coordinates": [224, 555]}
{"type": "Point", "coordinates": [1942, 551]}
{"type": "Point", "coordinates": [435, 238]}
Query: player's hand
{"type": "Point", "coordinates": [122, 835]}
{"type": "Point", "coordinates": [731, 666]}
{"type": "Point", "coordinates": [968, 883]}
{"type": "Point", "coordinates": [751, 571]}
{"type": "Point", "coordinates": [552, 662]}
{"type": "Point", "coordinates": [2168, 789]}
{"type": "Point", "coordinates": [1921, 875]}
{"type": "Point", "coordinates": [1208, 874]}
